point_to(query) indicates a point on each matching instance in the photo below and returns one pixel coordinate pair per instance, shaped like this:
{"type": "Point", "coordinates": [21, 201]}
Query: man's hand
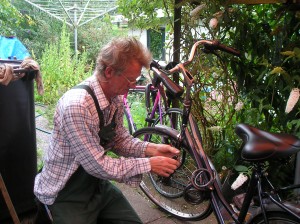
{"type": "Point", "coordinates": [163, 166]}
{"type": "Point", "coordinates": [161, 158]}
{"type": "Point", "coordinates": [161, 150]}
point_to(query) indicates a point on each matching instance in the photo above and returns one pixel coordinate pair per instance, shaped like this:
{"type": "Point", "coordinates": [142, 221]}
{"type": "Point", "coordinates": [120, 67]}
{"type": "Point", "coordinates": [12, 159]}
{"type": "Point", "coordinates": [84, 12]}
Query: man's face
{"type": "Point", "coordinates": [122, 83]}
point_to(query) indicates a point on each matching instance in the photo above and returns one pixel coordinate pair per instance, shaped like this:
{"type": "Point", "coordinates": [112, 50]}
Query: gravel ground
{"type": "Point", "coordinates": [43, 131]}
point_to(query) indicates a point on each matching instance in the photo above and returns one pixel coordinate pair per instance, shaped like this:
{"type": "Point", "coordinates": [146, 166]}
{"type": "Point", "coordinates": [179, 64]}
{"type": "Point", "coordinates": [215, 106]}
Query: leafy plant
{"type": "Point", "coordinates": [156, 44]}
{"type": "Point", "coordinates": [137, 108]}
{"type": "Point", "coordinates": [251, 89]}
{"type": "Point", "coordinates": [94, 35]}
{"type": "Point", "coordinates": [61, 70]}
{"type": "Point", "coordinates": [11, 19]}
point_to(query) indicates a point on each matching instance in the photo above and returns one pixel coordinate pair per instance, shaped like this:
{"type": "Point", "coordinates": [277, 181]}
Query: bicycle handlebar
{"type": "Point", "coordinates": [210, 45]}
{"type": "Point", "coordinates": [175, 89]}
{"type": "Point", "coordinates": [216, 45]}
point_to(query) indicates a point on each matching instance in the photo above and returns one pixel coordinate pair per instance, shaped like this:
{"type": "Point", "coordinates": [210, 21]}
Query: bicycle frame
{"type": "Point", "coordinates": [200, 156]}
{"type": "Point", "coordinates": [217, 198]}
{"type": "Point", "coordinates": [192, 137]}
{"type": "Point", "coordinates": [160, 99]}
{"type": "Point", "coordinates": [127, 106]}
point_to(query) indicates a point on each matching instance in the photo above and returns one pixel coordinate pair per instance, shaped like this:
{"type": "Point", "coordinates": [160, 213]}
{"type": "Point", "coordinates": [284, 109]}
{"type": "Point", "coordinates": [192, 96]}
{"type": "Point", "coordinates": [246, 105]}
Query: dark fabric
{"type": "Point", "coordinates": [18, 158]}
{"type": "Point", "coordinates": [88, 200]}
{"type": "Point", "coordinates": [42, 216]}
{"type": "Point", "coordinates": [107, 132]}
{"type": "Point", "coordinates": [90, 91]}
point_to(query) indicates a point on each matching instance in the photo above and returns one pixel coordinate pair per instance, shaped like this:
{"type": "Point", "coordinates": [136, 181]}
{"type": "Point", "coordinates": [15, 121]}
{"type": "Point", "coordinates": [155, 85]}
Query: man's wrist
{"type": "Point", "coordinates": [150, 150]}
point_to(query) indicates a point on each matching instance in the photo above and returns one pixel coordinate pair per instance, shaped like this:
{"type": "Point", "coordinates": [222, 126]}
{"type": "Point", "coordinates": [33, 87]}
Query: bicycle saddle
{"type": "Point", "coordinates": [260, 145]}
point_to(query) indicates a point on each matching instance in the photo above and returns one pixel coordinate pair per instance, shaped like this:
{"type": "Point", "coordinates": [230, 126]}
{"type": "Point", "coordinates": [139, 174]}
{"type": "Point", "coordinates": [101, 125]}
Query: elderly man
{"type": "Point", "coordinates": [88, 121]}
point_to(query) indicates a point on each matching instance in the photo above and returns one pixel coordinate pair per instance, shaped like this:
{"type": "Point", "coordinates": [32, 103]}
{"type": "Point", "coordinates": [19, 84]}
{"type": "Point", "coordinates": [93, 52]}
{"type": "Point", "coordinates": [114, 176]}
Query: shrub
{"type": "Point", "coordinates": [61, 70]}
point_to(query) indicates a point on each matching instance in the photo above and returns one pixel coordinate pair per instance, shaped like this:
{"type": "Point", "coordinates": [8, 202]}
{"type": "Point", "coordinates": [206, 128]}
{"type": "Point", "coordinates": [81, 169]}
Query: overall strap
{"type": "Point", "coordinates": [91, 92]}
{"type": "Point", "coordinates": [106, 133]}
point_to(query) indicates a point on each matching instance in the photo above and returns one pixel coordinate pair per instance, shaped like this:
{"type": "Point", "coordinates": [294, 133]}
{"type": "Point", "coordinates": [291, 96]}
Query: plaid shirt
{"type": "Point", "coordinates": [75, 141]}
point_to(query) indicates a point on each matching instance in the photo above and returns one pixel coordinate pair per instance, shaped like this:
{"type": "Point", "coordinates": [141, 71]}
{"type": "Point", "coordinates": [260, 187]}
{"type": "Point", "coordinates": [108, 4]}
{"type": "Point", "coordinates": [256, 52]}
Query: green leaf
{"type": "Point", "coordinates": [297, 52]}
{"type": "Point", "coordinates": [240, 168]}
{"type": "Point", "coordinates": [288, 53]}
{"type": "Point", "coordinates": [277, 70]}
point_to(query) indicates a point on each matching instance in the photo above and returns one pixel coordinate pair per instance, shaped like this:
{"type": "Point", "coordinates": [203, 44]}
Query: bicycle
{"type": "Point", "coordinates": [129, 121]}
{"type": "Point", "coordinates": [156, 102]}
{"type": "Point", "coordinates": [194, 190]}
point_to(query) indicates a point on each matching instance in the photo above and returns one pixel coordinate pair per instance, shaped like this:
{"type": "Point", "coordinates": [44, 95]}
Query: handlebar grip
{"type": "Point", "coordinates": [217, 45]}
{"type": "Point", "coordinates": [174, 88]}
{"type": "Point", "coordinates": [155, 64]}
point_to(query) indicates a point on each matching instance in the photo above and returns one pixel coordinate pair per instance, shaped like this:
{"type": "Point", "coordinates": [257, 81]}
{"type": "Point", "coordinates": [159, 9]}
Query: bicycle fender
{"type": "Point", "coordinates": [167, 130]}
{"type": "Point", "coordinates": [171, 131]}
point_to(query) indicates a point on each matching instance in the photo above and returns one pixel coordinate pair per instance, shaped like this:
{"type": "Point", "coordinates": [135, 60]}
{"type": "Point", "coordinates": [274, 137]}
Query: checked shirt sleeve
{"type": "Point", "coordinates": [80, 127]}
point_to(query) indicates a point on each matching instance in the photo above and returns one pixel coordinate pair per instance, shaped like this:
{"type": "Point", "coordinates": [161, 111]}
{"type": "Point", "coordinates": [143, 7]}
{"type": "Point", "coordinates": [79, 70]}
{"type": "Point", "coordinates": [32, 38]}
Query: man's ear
{"type": "Point", "coordinates": [108, 72]}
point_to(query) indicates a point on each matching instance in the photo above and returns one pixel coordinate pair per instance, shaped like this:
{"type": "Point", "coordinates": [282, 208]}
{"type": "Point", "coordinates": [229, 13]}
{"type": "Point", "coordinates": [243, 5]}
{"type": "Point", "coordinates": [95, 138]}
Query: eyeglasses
{"type": "Point", "coordinates": [131, 83]}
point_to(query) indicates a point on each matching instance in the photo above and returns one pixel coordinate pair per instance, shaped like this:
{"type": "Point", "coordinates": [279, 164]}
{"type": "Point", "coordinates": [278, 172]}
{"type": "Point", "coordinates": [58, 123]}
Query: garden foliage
{"type": "Point", "coordinates": [61, 70]}
{"type": "Point", "coordinates": [252, 89]}
{"type": "Point", "coordinates": [228, 90]}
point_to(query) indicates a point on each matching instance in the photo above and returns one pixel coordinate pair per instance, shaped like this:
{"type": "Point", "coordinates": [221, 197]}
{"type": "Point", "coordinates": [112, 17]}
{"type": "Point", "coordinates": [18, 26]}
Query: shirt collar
{"type": "Point", "coordinates": [95, 85]}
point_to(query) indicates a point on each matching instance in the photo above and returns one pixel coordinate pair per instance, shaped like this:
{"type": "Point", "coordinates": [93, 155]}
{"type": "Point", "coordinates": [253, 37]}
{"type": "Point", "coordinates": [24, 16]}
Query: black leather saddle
{"type": "Point", "coordinates": [259, 145]}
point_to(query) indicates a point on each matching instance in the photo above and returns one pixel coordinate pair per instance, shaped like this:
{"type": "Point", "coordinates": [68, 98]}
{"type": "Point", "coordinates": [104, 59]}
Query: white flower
{"type": "Point", "coordinates": [215, 128]}
{"type": "Point", "coordinates": [240, 180]}
{"type": "Point", "coordinates": [239, 106]}
{"type": "Point", "coordinates": [293, 99]}
{"type": "Point", "coordinates": [196, 11]}
{"type": "Point", "coordinates": [213, 23]}
{"type": "Point", "coordinates": [214, 75]}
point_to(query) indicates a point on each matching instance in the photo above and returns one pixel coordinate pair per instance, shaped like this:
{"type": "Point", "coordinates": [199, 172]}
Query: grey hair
{"type": "Point", "coordinates": [120, 52]}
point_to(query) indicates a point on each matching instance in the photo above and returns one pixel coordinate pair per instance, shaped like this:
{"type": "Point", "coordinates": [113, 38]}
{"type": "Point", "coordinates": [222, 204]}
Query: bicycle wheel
{"type": "Point", "coordinates": [175, 194]}
{"type": "Point", "coordinates": [276, 218]}
{"type": "Point", "coordinates": [171, 118]}
{"type": "Point", "coordinates": [127, 123]}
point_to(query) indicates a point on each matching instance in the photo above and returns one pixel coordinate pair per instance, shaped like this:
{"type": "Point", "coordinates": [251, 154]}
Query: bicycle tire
{"type": "Point", "coordinates": [155, 180]}
{"type": "Point", "coordinates": [148, 95]}
{"type": "Point", "coordinates": [276, 217]}
{"type": "Point", "coordinates": [170, 195]}
{"type": "Point", "coordinates": [127, 122]}
{"type": "Point", "coordinates": [171, 118]}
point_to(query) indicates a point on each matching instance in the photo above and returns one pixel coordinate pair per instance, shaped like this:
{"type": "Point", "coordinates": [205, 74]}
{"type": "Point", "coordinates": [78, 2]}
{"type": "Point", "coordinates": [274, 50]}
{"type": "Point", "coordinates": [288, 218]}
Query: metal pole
{"type": "Point", "coordinates": [75, 29]}
{"type": "Point", "coordinates": [75, 40]}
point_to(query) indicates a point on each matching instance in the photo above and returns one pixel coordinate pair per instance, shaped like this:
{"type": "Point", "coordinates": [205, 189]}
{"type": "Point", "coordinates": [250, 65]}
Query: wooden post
{"type": "Point", "coordinates": [176, 44]}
